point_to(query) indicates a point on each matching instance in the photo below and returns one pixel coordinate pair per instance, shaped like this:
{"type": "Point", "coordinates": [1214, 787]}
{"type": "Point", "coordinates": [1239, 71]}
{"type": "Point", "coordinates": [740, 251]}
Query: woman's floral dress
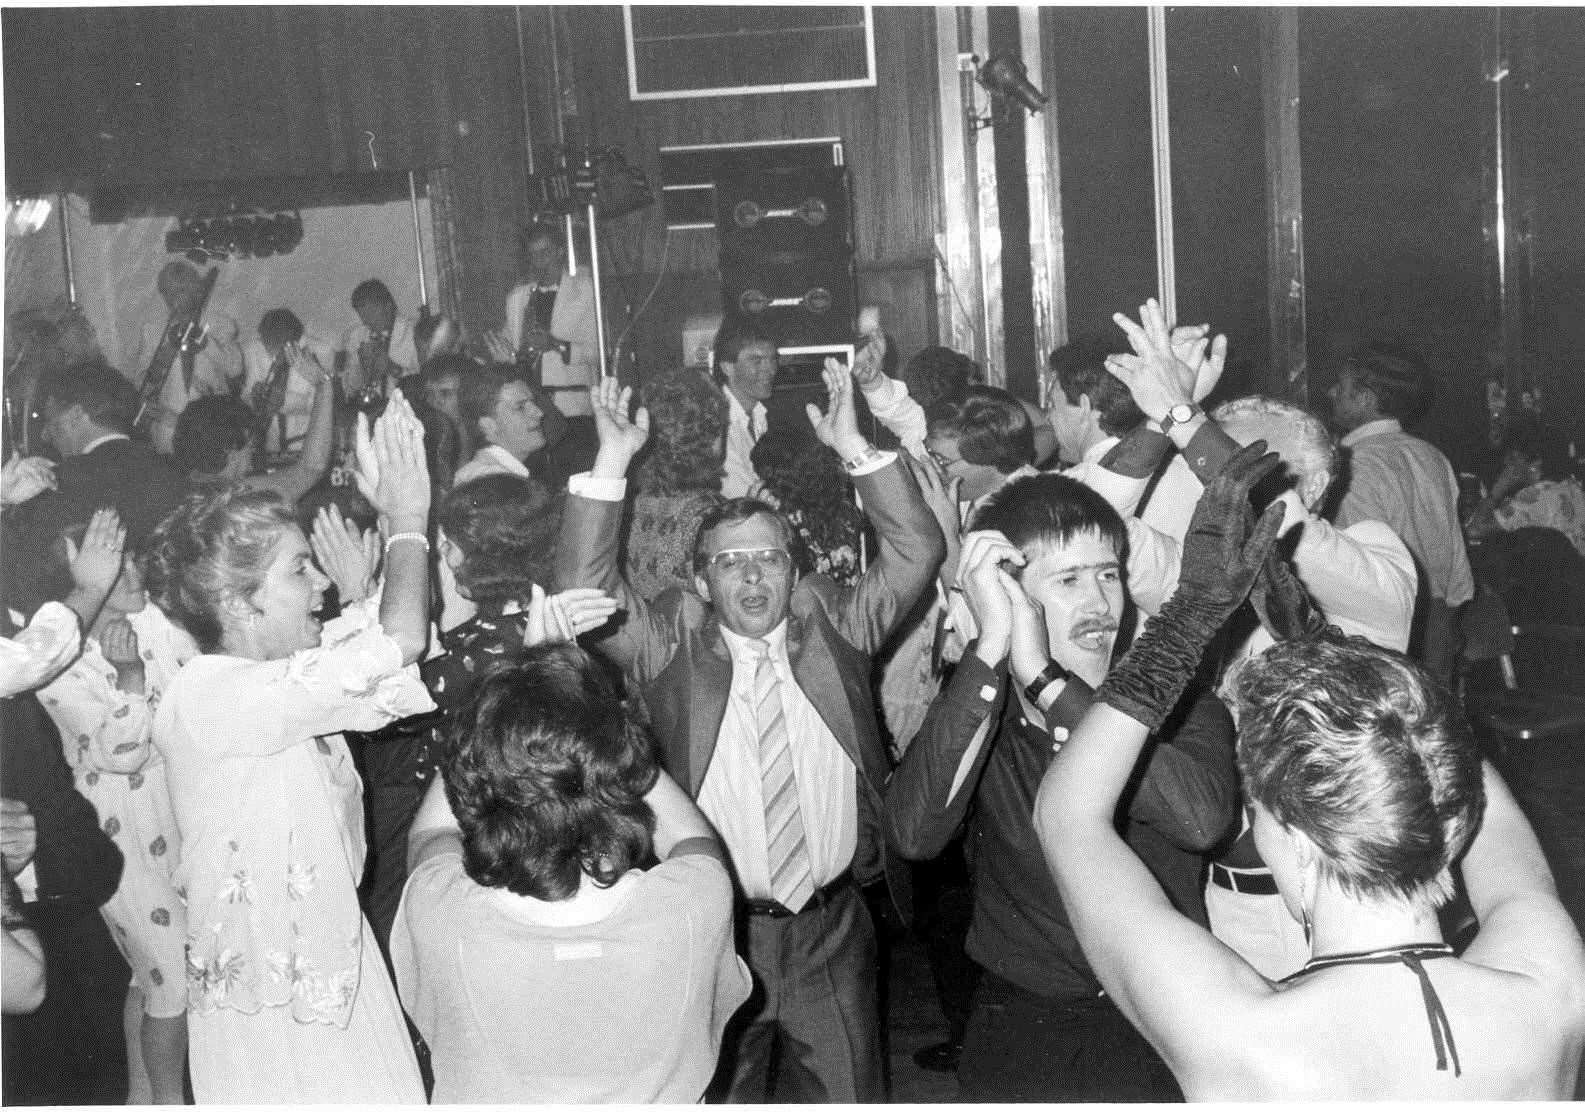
{"type": "Point", "coordinates": [288, 999]}
{"type": "Point", "coordinates": [107, 735]}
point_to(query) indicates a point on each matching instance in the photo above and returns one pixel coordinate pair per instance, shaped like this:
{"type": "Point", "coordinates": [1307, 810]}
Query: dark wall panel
{"type": "Point", "coordinates": [1097, 75]}
{"type": "Point", "coordinates": [1391, 128]}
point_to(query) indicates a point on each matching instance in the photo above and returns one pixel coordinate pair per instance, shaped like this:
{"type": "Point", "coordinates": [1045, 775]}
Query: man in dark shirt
{"type": "Point", "coordinates": [1041, 572]}
{"type": "Point", "coordinates": [88, 410]}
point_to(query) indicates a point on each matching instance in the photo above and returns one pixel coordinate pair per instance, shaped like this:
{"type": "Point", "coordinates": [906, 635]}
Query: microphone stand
{"type": "Point", "coordinates": [585, 188]}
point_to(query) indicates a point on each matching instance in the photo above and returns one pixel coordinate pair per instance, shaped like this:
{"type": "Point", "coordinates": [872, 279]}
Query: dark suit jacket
{"type": "Point", "coordinates": [140, 483]}
{"type": "Point", "coordinates": [674, 650]}
{"type": "Point", "coordinates": [70, 1051]}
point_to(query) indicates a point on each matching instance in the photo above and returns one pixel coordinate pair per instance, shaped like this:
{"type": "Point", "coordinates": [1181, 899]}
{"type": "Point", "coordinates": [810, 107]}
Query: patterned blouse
{"type": "Point", "coordinates": [271, 814]}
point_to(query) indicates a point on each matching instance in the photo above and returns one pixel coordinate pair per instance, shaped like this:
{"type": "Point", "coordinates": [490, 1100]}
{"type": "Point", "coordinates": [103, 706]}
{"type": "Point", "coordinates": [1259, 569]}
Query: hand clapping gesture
{"type": "Point", "coordinates": [96, 563]}
{"type": "Point", "coordinates": [1167, 368]}
{"type": "Point", "coordinates": [392, 473]}
{"type": "Point", "coordinates": [837, 428]}
{"type": "Point", "coordinates": [118, 641]}
{"type": "Point", "coordinates": [23, 479]}
{"type": "Point", "coordinates": [348, 556]}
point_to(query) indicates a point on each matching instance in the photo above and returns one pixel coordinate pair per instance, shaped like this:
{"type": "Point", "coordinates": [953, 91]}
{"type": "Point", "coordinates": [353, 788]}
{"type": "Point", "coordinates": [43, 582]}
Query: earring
{"type": "Point", "coordinates": [1304, 896]}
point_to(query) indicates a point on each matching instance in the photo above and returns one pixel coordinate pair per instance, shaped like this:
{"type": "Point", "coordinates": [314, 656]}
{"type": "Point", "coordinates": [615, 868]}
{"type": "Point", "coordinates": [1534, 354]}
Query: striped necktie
{"type": "Point", "coordinates": [791, 881]}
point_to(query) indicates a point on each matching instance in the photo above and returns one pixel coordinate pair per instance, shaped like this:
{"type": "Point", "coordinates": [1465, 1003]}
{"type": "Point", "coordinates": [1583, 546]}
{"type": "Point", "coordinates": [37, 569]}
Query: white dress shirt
{"type": "Point", "coordinates": [731, 795]}
{"type": "Point", "coordinates": [299, 403]}
{"type": "Point", "coordinates": [743, 430]}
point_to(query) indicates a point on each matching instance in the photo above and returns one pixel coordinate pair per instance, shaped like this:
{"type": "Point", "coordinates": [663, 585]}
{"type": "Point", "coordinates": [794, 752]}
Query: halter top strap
{"type": "Point", "coordinates": [1413, 956]}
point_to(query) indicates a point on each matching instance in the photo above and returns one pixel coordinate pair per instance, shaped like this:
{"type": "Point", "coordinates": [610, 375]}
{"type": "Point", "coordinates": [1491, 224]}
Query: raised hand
{"type": "Point", "coordinates": [566, 615]}
{"type": "Point", "coordinates": [1205, 357]}
{"type": "Point", "coordinates": [392, 473]}
{"type": "Point", "coordinates": [621, 437]}
{"type": "Point", "coordinates": [869, 361]}
{"type": "Point", "coordinates": [1221, 554]}
{"type": "Point", "coordinates": [23, 479]}
{"type": "Point", "coordinates": [345, 554]}
{"type": "Point", "coordinates": [96, 563]}
{"type": "Point", "coordinates": [989, 589]}
{"type": "Point", "coordinates": [837, 428]}
{"type": "Point", "coordinates": [1156, 377]}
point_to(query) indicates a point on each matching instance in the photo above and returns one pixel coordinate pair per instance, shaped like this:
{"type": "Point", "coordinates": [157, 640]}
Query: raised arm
{"type": "Point", "coordinates": [910, 545]}
{"type": "Point", "coordinates": [297, 480]}
{"type": "Point", "coordinates": [588, 547]}
{"type": "Point", "coordinates": [394, 477]}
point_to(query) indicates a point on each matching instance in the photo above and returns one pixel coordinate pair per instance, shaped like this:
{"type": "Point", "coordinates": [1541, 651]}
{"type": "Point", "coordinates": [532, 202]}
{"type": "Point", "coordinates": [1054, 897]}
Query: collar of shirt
{"type": "Point", "coordinates": [1096, 451]}
{"type": "Point", "coordinates": [754, 420]}
{"type": "Point", "coordinates": [107, 438]}
{"type": "Point", "coordinates": [506, 459]}
{"type": "Point", "coordinates": [743, 652]}
{"type": "Point", "coordinates": [1372, 428]}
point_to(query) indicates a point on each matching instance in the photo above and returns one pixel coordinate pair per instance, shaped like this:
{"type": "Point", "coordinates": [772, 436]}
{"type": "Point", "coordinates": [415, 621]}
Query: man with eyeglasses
{"type": "Point", "coordinates": [758, 691]}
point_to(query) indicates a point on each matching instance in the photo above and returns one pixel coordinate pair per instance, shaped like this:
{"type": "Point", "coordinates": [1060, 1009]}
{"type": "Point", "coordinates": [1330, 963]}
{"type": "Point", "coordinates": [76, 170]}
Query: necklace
{"type": "Point", "coordinates": [1410, 955]}
{"type": "Point", "coordinates": [1386, 953]}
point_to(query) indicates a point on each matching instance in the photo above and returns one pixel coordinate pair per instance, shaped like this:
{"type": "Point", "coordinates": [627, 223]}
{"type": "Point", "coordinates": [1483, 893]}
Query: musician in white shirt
{"type": "Point", "coordinates": [212, 366]}
{"type": "Point", "coordinates": [281, 337]}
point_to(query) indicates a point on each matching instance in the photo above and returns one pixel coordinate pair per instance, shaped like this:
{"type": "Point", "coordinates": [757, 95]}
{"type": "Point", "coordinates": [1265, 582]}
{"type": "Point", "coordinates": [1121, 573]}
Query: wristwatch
{"type": "Point", "coordinates": [1180, 414]}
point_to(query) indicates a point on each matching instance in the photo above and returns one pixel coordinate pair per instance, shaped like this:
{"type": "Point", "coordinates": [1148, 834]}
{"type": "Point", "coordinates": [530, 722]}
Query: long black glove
{"type": "Point", "coordinates": [1284, 606]}
{"type": "Point", "coordinates": [1221, 558]}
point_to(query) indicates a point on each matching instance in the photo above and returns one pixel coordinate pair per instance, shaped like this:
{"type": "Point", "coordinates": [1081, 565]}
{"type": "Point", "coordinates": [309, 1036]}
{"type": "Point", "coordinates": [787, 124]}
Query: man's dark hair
{"type": "Point", "coordinates": [734, 336]}
{"type": "Point", "coordinates": [102, 392]}
{"type": "Point", "coordinates": [539, 230]}
{"type": "Point", "coordinates": [209, 428]}
{"type": "Point", "coordinates": [452, 363]}
{"type": "Point", "coordinates": [1080, 367]}
{"type": "Point", "coordinates": [990, 427]}
{"type": "Point", "coordinates": [280, 326]}
{"type": "Point", "coordinates": [371, 291]}
{"type": "Point", "coordinates": [1049, 509]}
{"type": "Point", "coordinates": [479, 391]}
{"type": "Point", "coordinates": [734, 511]}
{"type": "Point", "coordinates": [547, 776]}
{"type": "Point", "coordinates": [939, 374]}
{"type": "Point", "coordinates": [1396, 374]}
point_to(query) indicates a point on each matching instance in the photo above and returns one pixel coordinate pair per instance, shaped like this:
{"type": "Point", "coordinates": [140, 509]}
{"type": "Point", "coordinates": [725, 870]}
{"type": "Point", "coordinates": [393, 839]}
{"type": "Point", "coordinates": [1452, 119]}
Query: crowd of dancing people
{"type": "Point", "coordinates": [415, 726]}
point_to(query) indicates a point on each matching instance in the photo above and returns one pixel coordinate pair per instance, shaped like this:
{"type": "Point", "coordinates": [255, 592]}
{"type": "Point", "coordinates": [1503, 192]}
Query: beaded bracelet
{"type": "Point", "coordinates": [394, 537]}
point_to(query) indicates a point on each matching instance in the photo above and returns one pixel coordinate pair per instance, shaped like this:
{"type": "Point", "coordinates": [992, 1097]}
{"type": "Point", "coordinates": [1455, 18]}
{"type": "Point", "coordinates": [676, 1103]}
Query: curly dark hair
{"type": "Point", "coordinates": [547, 776]}
{"type": "Point", "coordinates": [687, 448]}
{"type": "Point", "coordinates": [216, 544]}
{"type": "Point", "coordinates": [506, 527]}
{"type": "Point", "coordinates": [805, 476]}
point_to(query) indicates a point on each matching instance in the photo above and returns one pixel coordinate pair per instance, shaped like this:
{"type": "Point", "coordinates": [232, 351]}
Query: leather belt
{"type": "Point", "coordinates": [822, 896]}
{"type": "Point", "coordinates": [1260, 883]}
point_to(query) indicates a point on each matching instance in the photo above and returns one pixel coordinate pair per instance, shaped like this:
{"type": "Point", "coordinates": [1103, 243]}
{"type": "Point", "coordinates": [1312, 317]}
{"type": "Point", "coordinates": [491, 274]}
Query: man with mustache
{"type": "Point", "coordinates": [1041, 571]}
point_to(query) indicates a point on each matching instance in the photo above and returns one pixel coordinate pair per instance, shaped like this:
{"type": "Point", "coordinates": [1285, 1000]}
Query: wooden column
{"type": "Point", "coordinates": [1289, 366]}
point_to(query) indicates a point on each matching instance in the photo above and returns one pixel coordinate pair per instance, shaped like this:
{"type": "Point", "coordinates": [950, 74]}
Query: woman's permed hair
{"type": "Point", "coordinates": [215, 545]}
{"type": "Point", "coordinates": [506, 527]}
{"type": "Point", "coordinates": [688, 419]}
{"type": "Point", "coordinates": [1365, 754]}
{"type": "Point", "coordinates": [547, 776]}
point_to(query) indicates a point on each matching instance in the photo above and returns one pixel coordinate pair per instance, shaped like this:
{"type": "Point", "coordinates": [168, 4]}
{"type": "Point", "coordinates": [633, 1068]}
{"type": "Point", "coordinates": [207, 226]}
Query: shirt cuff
{"type": "Point", "coordinates": [586, 485]}
{"type": "Point", "coordinates": [882, 459]}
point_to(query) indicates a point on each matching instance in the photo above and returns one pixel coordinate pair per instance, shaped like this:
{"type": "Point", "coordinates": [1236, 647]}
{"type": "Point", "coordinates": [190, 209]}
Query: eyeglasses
{"type": "Point", "coordinates": [941, 461]}
{"type": "Point", "coordinates": [736, 560]}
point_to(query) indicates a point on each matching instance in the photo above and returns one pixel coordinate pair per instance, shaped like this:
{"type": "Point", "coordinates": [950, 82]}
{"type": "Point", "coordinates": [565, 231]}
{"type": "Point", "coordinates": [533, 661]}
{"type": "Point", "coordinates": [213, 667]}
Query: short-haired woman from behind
{"type": "Point", "coordinates": [1366, 790]}
{"type": "Point", "coordinates": [535, 955]}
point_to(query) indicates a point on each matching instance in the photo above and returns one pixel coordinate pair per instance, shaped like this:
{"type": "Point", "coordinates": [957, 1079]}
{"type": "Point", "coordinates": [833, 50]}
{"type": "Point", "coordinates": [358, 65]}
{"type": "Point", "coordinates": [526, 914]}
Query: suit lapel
{"type": "Point", "coordinates": [711, 689]}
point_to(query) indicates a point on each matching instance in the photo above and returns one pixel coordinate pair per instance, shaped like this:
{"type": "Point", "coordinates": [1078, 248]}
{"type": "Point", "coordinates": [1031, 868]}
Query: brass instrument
{"type": "Point", "coordinates": [184, 337]}
{"type": "Point", "coordinates": [269, 397]}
